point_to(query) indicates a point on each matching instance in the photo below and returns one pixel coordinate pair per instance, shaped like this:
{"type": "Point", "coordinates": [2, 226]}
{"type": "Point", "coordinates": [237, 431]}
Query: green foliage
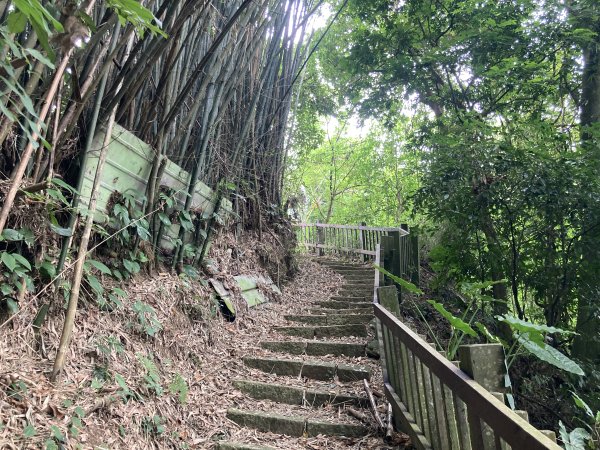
{"type": "Point", "coordinates": [153, 426]}
{"type": "Point", "coordinates": [29, 431]}
{"type": "Point", "coordinates": [125, 391]}
{"type": "Point", "coordinates": [592, 435]}
{"type": "Point", "coordinates": [131, 226]}
{"type": "Point", "coordinates": [109, 344]}
{"type": "Point", "coordinates": [134, 12]}
{"type": "Point", "coordinates": [152, 375]}
{"type": "Point", "coordinates": [548, 354]}
{"type": "Point", "coordinates": [532, 337]}
{"type": "Point", "coordinates": [493, 91]}
{"type": "Point", "coordinates": [455, 322]}
{"type": "Point", "coordinates": [76, 421]}
{"type": "Point", "coordinates": [147, 318]}
{"type": "Point", "coordinates": [15, 276]}
{"type": "Point", "coordinates": [410, 287]}
{"type": "Point", "coordinates": [180, 388]}
{"type": "Point", "coordinates": [574, 440]}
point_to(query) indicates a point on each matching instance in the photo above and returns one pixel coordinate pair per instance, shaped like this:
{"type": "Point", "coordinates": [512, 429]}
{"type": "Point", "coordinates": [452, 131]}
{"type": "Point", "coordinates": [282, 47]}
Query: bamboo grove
{"type": "Point", "coordinates": [207, 83]}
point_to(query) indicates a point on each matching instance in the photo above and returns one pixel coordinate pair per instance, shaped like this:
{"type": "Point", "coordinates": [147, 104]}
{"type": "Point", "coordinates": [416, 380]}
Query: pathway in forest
{"type": "Point", "coordinates": [317, 382]}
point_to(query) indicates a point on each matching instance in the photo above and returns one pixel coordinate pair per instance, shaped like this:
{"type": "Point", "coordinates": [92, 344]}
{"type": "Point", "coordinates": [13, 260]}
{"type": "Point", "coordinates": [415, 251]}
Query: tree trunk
{"type": "Point", "coordinates": [587, 341]}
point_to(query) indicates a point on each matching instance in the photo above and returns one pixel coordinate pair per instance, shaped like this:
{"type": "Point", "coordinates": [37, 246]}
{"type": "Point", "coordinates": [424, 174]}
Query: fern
{"type": "Point", "coordinates": [180, 388]}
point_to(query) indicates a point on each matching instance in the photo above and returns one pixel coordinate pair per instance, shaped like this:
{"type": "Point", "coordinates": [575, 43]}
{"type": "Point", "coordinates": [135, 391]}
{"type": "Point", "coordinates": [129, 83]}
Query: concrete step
{"type": "Point", "coordinates": [336, 304]}
{"type": "Point", "coordinates": [358, 330]}
{"type": "Point", "coordinates": [365, 311]}
{"type": "Point", "coordinates": [337, 319]}
{"type": "Point", "coordinates": [314, 370]}
{"type": "Point", "coordinates": [344, 266]}
{"type": "Point", "coordinates": [296, 426]}
{"type": "Point", "coordinates": [293, 395]}
{"type": "Point", "coordinates": [315, 348]}
{"type": "Point", "coordinates": [352, 292]}
{"type": "Point", "coordinates": [241, 446]}
{"type": "Point", "coordinates": [349, 298]}
{"type": "Point", "coordinates": [359, 278]}
{"type": "Point", "coordinates": [363, 286]}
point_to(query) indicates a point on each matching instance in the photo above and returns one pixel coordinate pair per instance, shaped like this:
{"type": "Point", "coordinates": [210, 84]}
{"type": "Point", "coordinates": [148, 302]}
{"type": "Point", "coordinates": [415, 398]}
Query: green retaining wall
{"type": "Point", "coordinates": [127, 169]}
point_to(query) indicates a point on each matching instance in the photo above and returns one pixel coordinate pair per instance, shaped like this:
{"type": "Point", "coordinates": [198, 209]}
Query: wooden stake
{"type": "Point", "coordinates": [373, 405]}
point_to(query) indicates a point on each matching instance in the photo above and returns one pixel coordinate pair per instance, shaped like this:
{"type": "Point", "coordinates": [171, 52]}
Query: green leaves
{"type": "Point", "coordinates": [180, 388]}
{"type": "Point", "coordinates": [574, 440]}
{"type": "Point", "coordinates": [29, 431]}
{"type": "Point", "coordinates": [410, 287]}
{"type": "Point", "coordinates": [549, 354]}
{"type": "Point", "coordinates": [103, 268]}
{"type": "Point", "coordinates": [16, 22]}
{"type": "Point", "coordinates": [9, 261]}
{"type": "Point", "coordinates": [455, 322]}
{"type": "Point", "coordinates": [147, 318]}
{"type": "Point", "coordinates": [40, 19]}
{"type": "Point", "coordinates": [534, 330]}
{"type": "Point", "coordinates": [532, 337]}
{"type": "Point", "coordinates": [11, 235]}
{"type": "Point", "coordinates": [140, 17]}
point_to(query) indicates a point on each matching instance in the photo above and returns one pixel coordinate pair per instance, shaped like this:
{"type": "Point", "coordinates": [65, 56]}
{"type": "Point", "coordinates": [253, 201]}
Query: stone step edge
{"type": "Point", "coordinates": [325, 331]}
{"type": "Point", "coordinates": [294, 395]}
{"type": "Point", "coordinates": [315, 370]}
{"type": "Point", "coordinates": [296, 426]}
{"type": "Point", "coordinates": [366, 310]}
{"type": "Point", "coordinates": [316, 348]}
{"type": "Point", "coordinates": [322, 319]}
{"type": "Point", "coordinates": [241, 446]}
{"type": "Point", "coordinates": [348, 298]}
{"type": "Point", "coordinates": [352, 305]}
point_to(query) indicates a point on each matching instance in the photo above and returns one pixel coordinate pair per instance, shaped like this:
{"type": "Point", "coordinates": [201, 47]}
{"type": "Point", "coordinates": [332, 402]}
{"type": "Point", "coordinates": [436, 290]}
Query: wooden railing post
{"type": "Point", "coordinates": [414, 262]}
{"type": "Point", "coordinates": [485, 364]}
{"type": "Point", "coordinates": [362, 241]}
{"type": "Point", "coordinates": [320, 240]}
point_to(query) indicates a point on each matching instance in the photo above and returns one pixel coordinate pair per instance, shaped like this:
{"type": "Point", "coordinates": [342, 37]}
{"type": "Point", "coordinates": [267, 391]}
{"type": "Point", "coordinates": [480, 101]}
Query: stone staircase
{"type": "Point", "coordinates": [317, 377]}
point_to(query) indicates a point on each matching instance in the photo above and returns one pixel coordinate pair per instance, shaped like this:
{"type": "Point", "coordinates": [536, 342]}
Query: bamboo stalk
{"type": "Point", "coordinates": [67, 332]}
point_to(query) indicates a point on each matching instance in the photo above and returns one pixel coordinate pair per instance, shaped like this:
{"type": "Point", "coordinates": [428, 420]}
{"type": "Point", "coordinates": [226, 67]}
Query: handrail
{"type": "Point", "coordinates": [343, 240]}
{"type": "Point", "coordinates": [439, 405]}
{"type": "Point", "coordinates": [517, 432]}
{"type": "Point", "coordinates": [351, 227]}
{"type": "Point", "coordinates": [435, 402]}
